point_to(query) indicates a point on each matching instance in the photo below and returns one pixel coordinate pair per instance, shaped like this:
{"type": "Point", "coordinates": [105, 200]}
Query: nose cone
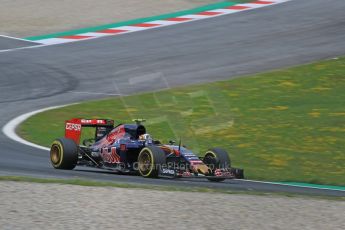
{"type": "Point", "coordinates": [201, 168]}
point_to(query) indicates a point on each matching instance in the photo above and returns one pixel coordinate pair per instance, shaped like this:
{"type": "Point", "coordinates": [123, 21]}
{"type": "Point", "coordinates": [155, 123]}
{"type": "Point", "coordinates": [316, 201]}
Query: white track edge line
{"type": "Point", "coordinates": [10, 128]}
{"type": "Point", "coordinates": [20, 39]}
{"type": "Point", "coordinates": [291, 185]}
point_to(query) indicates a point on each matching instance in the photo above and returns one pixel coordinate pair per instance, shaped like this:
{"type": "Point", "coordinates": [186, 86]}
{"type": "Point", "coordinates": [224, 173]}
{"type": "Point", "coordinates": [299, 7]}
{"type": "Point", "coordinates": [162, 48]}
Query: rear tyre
{"type": "Point", "coordinates": [150, 161]}
{"type": "Point", "coordinates": [217, 158]}
{"type": "Point", "coordinates": [64, 154]}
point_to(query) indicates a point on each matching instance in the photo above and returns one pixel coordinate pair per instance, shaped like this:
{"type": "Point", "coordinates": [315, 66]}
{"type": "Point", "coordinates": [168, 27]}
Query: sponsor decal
{"type": "Point", "coordinates": [88, 121]}
{"type": "Point", "coordinates": [73, 127]}
{"type": "Point", "coordinates": [192, 158]}
{"type": "Point", "coordinates": [168, 171]}
{"type": "Point", "coordinates": [187, 174]}
{"type": "Point", "coordinates": [221, 173]}
{"type": "Point", "coordinates": [218, 172]}
{"type": "Point", "coordinates": [188, 154]}
{"type": "Point", "coordinates": [115, 134]}
{"type": "Point", "coordinates": [112, 136]}
{"type": "Point", "coordinates": [195, 162]}
{"type": "Point", "coordinates": [109, 155]}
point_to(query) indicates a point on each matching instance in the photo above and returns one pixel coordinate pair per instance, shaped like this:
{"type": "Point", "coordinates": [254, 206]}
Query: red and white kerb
{"type": "Point", "coordinates": [160, 23]}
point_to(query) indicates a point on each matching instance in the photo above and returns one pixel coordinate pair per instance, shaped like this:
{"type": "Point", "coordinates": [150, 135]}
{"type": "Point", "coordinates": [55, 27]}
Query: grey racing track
{"type": "Point", "coordinates": [287, 34]}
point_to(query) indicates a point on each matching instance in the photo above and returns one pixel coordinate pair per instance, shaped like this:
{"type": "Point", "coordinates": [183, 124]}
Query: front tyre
{"type": "Point", "coordinates": [150, 160]}
{"type": "Point", "coordinates": [64, 154]}
{"type": "Point", "coordinates": [217, 158]}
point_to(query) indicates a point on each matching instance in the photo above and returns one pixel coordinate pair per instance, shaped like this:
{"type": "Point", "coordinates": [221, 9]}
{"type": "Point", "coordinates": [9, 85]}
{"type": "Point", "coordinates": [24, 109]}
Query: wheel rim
{"type": "Point", "coordinates": [145, 162]}
{"type": "Point", "coordinates": [55, 154]}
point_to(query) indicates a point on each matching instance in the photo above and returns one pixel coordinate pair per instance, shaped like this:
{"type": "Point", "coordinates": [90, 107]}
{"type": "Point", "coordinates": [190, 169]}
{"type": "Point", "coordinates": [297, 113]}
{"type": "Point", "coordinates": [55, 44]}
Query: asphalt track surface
{"type": "Point", "coordinates": [213, 49]}
{"type": "Point", "coordinates": [10, 43]}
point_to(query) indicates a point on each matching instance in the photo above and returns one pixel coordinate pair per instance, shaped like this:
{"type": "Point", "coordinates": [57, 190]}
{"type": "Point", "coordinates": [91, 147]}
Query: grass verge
{"type": "Point", "coordinates": [91, 183]}
{"type": "Point", "coordinates": [285, 125]}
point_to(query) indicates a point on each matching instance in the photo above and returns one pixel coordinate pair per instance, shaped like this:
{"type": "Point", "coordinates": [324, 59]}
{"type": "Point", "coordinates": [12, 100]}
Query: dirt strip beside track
{"type": "Point", "coordinates": [55, 206]}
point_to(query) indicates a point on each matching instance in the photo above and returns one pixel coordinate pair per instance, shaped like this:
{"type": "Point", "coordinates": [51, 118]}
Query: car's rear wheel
{"type": "Point", "coordinates": [150, 160]}
{"type": "Point", "coordinates": [217, 158]}
{"type": "Point", "coordinates": [64, 154]}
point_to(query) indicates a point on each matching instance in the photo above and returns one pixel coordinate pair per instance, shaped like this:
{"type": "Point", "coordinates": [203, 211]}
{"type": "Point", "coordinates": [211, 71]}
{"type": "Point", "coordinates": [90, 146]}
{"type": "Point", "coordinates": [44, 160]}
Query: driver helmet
{"type": "Point", "coordinates": [146, 137]}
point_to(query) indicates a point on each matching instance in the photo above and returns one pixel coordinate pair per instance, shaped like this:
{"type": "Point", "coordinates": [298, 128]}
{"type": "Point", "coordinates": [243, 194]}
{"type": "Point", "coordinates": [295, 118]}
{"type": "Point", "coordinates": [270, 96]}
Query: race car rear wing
{"type": "Point", "coordinates": [73, 127]}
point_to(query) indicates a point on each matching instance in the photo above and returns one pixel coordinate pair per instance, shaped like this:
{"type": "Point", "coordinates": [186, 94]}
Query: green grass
{"type": "Point", "coordinates": [285, 125]}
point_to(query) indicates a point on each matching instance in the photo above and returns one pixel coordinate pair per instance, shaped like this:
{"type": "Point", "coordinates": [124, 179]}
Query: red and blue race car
{"type": "Point", "coordinates": [128, 148]}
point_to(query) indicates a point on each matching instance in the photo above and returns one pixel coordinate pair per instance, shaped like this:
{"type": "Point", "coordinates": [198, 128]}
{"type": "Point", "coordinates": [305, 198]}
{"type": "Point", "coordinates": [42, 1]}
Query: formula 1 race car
{"type": "Point", "coordinates": [127, 148]}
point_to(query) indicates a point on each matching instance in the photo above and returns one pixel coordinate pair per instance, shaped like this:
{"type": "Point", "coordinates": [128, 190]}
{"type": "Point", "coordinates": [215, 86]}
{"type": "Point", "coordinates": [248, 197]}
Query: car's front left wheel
{"type": "Point", "coordinates": [217, 158]}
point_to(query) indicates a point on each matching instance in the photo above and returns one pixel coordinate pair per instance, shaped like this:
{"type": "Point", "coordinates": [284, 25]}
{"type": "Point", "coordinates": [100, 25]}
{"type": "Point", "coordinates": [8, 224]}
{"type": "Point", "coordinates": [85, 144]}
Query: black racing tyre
{"type": "Point", "coordinates": [150, 160]}
{"type": "Point", "coordinates": [64, 154]}
{"type": "Point", "coordinates": [217, 158]}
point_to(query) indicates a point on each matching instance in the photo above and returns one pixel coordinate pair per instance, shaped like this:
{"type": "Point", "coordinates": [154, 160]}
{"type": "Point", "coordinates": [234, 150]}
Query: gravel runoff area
{"type": "Point", "coordinates": [55, 206]}
{"type": "Point", "coordinates": [23, 18]}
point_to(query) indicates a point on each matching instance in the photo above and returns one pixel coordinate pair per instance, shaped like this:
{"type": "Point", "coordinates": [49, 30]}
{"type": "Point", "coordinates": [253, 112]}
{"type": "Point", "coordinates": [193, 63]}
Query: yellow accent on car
{"type": "Point", "coordinates": [59, 145]}
{"type": "Point", "coordinates": [152, 162]}
{"type": "Point", "coordinates": [214, 155]}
